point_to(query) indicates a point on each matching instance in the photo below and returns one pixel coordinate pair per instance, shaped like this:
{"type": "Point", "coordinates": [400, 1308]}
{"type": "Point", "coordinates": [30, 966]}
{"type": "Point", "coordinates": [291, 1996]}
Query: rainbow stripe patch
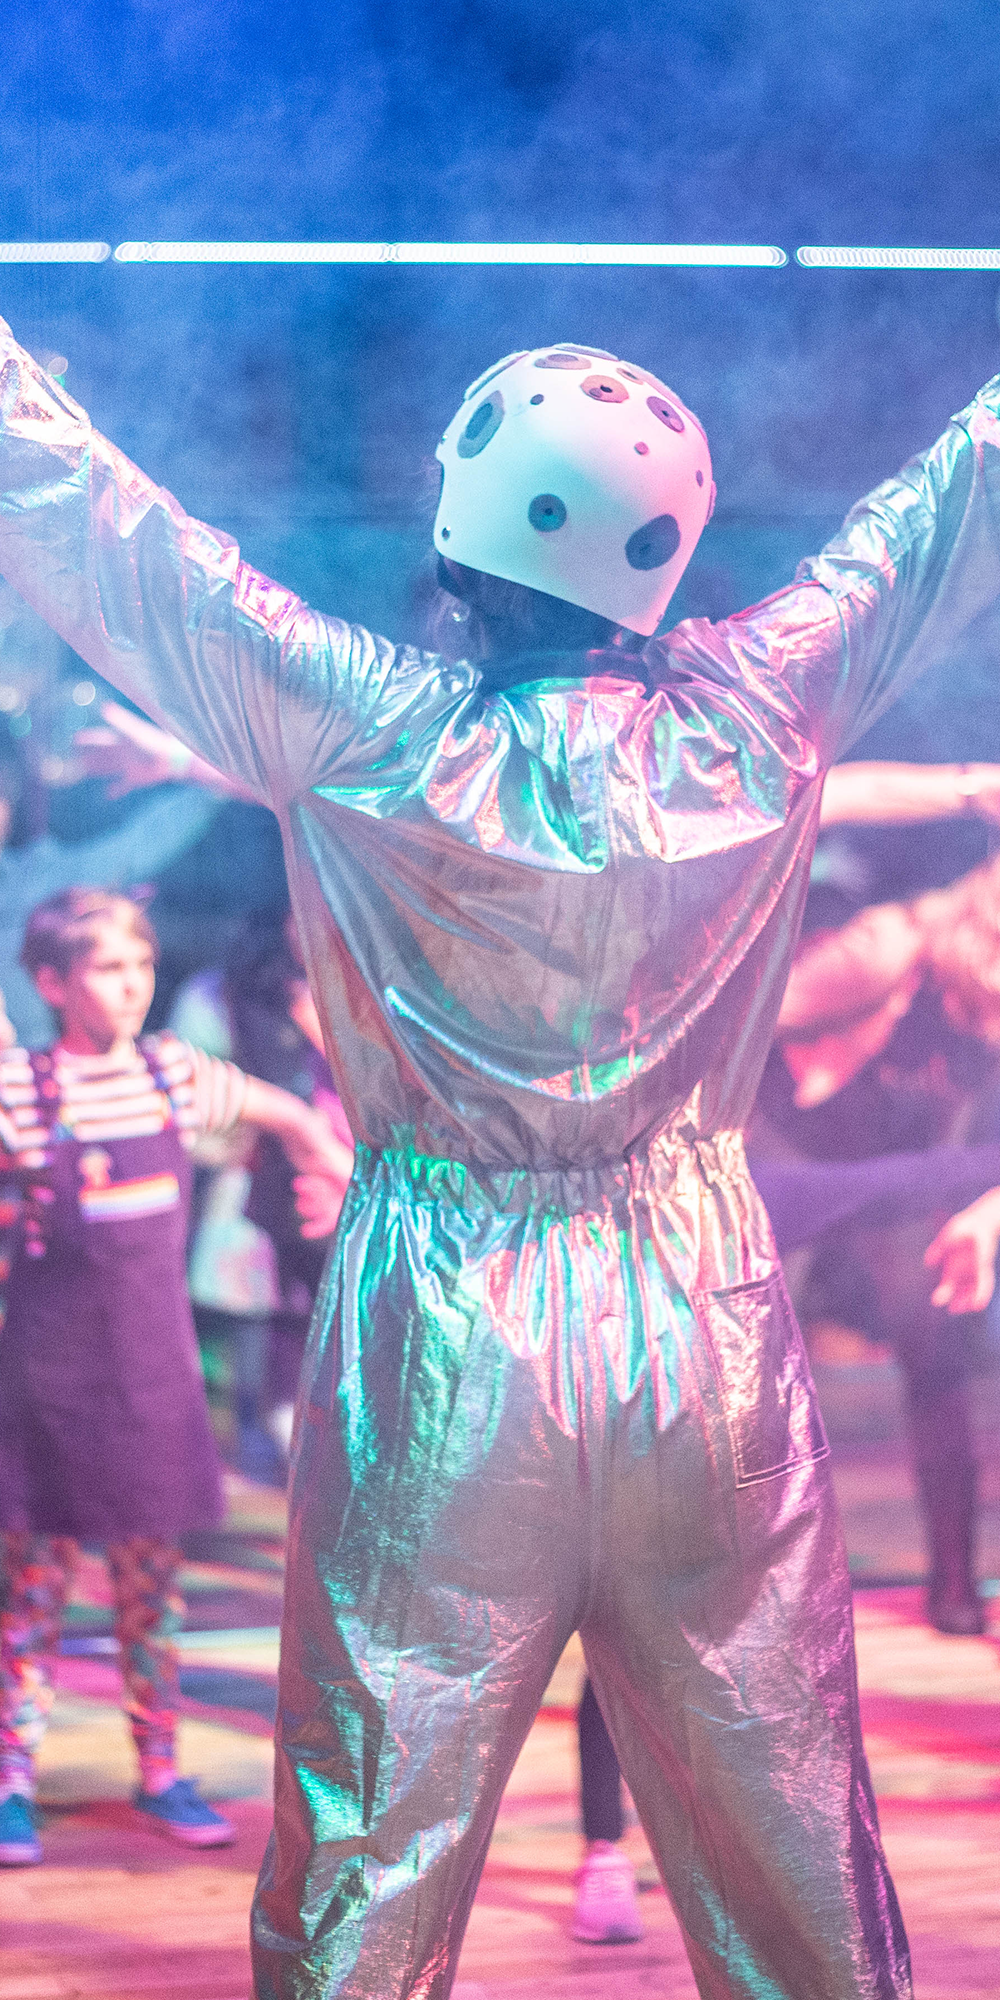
{"type": "Point", "coordinates": [148, 1196]}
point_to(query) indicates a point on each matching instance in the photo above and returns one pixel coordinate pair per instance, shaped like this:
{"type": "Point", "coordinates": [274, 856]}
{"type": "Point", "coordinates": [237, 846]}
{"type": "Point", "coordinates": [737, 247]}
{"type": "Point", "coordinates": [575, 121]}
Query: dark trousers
{"type": "Point", "coordinates": [600, 1777]}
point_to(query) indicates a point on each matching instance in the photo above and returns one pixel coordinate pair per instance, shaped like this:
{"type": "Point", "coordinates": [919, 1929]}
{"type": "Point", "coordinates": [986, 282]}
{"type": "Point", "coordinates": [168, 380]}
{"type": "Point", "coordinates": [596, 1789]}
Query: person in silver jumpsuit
{"type": "Point", "coordinates": [549, 904]}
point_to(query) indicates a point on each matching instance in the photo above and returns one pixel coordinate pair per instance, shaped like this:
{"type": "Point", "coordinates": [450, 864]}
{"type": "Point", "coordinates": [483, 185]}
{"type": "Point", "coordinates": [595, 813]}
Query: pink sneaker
{"type": "Point", "coordinates": [606, 1911]}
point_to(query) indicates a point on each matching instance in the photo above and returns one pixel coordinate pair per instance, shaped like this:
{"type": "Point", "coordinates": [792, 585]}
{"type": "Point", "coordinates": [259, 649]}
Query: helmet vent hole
{"type": "Point", "coordinates": [604, 389]}
{"type": "Point", "coordinates": [546, 512]}
{"type": "Point", "coordinates": [483, 424]}
{"type": "Point", "coordinates": [653, 545]}
{"type": "Point", "coordinates": [666, 412]}
{"type": "Point", "coordinates": [561, 360]}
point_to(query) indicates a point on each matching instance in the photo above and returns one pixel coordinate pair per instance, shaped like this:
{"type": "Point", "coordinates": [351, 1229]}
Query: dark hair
{"type": "Point", "coordinates": [470, 615]}
{"type": "Point", "coordinates": [64, 927]}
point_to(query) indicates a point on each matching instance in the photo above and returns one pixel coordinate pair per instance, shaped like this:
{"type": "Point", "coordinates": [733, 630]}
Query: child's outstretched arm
{"type": "Point", "coordinates": [218, 1096]}
{"type": "Point", "coordinates": [304, 1133]}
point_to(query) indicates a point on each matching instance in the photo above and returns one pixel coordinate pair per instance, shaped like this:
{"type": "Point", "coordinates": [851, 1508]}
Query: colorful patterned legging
{"type": "Point", "coordinates": [35, 1575]}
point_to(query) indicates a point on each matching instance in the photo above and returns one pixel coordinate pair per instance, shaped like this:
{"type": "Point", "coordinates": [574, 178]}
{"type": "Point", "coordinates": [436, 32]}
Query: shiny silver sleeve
{"type": "Point", "coordinates": [266, 689]}
{"type": "Point", "coordinates": [912, 566]}
{"type": "Point", "coordinates": [915, 562]}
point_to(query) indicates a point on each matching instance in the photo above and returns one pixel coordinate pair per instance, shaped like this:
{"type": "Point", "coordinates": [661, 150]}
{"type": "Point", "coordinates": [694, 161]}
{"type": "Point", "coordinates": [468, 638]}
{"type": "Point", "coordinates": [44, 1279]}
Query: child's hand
{"type": "Point", "coordinates": [313, 1149]}
{"type": "Point", "coordinates": [965, 1252]}
{"type": "Point", "coordinates": [318, 1202]}
{"type": "Point", "coordinates": [325, 1165]}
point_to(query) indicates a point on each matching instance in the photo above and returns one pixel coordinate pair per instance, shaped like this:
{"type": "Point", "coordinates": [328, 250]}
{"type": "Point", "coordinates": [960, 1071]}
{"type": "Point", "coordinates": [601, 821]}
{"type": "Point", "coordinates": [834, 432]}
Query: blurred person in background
{"type": "Point", "coordinates": [264, 1233]}
{"type": "Point", "coordinates": [104, 1433]}
{"type": "Point", "coordinates": [878, 1220]}
{"type": "Point", "coordinates": [888, 1040]}
{"type": "Point", "coordinates": [33, 867]}
{"type": "Point", "coordinates": [259, 1242]}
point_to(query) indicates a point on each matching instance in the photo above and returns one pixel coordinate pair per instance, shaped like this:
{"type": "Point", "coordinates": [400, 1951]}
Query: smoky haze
{"type": "Point", "coordinates": [299, 407]}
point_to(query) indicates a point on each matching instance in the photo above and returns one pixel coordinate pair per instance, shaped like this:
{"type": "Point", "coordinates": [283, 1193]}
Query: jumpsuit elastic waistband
{"type": "Point", "coordinates": [653, 1168]}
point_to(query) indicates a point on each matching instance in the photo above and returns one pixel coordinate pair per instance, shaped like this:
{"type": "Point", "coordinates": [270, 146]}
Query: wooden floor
{"type": "Point", "coordinates": [117, 1913]}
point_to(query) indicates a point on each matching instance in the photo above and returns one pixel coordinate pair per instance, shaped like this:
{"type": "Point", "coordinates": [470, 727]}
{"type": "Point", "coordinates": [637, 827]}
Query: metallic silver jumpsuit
{"type": "Point", "coordinates": [553, 1378]}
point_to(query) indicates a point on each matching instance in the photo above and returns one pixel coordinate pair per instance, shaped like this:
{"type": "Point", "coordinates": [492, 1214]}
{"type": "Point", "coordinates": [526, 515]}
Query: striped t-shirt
{"type": "Point", "coordinates": [120, 1099]}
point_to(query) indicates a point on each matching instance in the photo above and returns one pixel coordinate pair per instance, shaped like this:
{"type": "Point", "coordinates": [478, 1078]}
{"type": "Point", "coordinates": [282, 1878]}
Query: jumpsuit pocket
{"type": "Point", "coordinates": [763, 1376]}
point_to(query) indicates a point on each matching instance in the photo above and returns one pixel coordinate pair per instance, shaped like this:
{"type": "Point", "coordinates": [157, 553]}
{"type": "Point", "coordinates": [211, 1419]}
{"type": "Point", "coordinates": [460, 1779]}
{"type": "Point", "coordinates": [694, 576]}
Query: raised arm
{"type": "Point", "coordinates": [844, 976]}
{"type": "Point", "coordinates": [913, 564]}
{"type": "Point", "coordinates": [271, 693]}
{"type": "Point", "coordinates": [129, 753]}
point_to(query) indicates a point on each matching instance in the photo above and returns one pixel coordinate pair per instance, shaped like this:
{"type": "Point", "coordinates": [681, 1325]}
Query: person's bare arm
{"type": "Point", "coordinates": [889, 794]}
{"type": "Point", "coordinates": [320, 1197]}
{"type": "Point", "coordinates": [323, 1161]}
{"type": "Point", "coordinates": [130, 753]}
{"type": "Point", "coordinates": [841, 977]}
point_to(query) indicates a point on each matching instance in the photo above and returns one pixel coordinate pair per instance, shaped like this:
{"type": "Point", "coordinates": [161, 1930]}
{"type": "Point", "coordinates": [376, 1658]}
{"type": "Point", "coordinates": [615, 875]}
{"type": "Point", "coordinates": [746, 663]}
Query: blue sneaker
{"type": "Point", "coordinates": [20, 1846]}
{"type": "Point", "coordinates": [182, 1815]}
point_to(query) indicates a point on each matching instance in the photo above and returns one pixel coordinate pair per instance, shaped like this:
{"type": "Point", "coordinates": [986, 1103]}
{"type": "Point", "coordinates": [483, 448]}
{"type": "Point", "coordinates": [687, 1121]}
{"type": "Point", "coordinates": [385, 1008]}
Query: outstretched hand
{"type": "Point", "coordinates": [324, 1167]}
{"type": "Point", "coordinates": [964, 1253]}
{"type": "Point", "coordinates": [313, 1149]}
{"type": "Point", "coordinates": [129, 752]}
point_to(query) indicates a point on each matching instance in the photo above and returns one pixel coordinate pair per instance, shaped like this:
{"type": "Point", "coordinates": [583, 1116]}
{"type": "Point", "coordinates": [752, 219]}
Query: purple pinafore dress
{"type": "Point", "coordinates": [104, 1429]}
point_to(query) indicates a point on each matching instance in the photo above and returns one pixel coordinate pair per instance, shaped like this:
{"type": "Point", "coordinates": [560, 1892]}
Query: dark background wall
{"type": "Point", "coordinates": [298, 407]}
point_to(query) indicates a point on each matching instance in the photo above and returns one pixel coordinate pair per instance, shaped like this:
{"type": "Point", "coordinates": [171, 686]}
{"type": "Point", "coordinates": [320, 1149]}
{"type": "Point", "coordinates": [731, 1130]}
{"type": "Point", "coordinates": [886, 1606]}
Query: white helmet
{"type": "Point", "coordinates": [579, 475]}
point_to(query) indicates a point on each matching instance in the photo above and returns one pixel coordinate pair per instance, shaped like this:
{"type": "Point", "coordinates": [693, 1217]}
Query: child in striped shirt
{"type": "Point", "coordinates": [104, 1430]}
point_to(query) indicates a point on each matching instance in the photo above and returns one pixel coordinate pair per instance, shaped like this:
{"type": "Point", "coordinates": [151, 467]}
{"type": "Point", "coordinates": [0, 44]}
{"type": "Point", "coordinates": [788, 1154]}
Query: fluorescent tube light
{"type": "Point", "coordinates": [452, 253]}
